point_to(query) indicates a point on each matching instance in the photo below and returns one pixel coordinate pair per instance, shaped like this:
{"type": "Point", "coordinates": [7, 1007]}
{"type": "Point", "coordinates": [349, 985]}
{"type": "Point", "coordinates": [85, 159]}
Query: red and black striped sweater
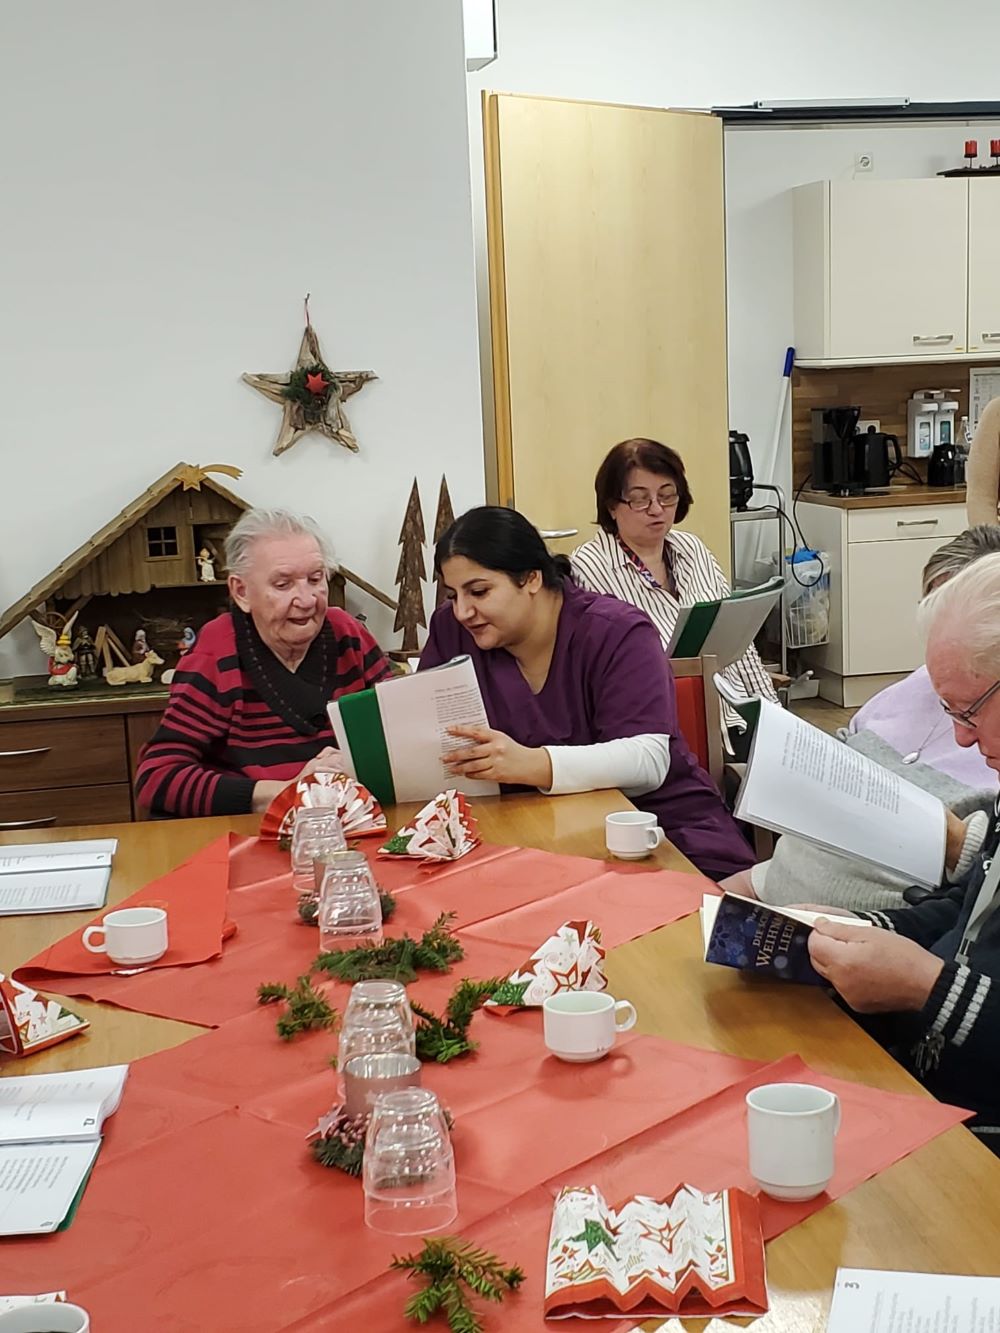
{"type": "Point", "coordinates": [237, 716]}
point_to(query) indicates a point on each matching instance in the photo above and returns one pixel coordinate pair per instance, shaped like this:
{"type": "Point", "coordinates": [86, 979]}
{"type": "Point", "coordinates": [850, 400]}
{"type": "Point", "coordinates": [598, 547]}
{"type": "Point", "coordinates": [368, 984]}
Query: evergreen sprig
{"type": "Point", "coordinates": [398, 959]}
{"type": "Point", "coordinates": [343, 1145]}
{"type": "Point", "coordinates": [446, 1038]}
{"type": "Point", "coordinates": [313, 404]}
{"type": "Point", "coordinates": [306, 1007]}
{"type": "Point", "coordinates": [448, 1265]}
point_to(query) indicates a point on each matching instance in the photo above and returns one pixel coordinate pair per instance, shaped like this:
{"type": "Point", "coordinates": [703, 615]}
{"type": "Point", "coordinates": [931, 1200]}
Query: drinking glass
{"type": "Point", "coordinates": [374, 998]}
{"type": "Point", "coordinates": [350, 911]}
{"type": "Point", "coordinates": [317, 832]}
{"type": "Point", "coordinates": [409, 1166]}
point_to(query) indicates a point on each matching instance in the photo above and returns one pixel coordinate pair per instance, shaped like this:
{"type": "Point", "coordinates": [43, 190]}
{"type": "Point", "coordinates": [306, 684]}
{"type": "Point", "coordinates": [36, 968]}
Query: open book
{"type": "Point", "coordinates": [55, 876]}
{"type": "Point", "coordinates": [801, 780]}
{"type": "Point", "coordinates": [691, 1254]}
{"type": "Point", "coordinates": [726, 628]}
{"type": "Point", "coordinates": [755, 937]}
{"type": "Point", "coordinates": [50, 1135]}
{"type": "Point", "coordinates": [393, 736]}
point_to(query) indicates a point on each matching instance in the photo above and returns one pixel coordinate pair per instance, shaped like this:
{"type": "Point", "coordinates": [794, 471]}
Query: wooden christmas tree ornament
{"type": "Point", "coordinates": [443, 520]}
{"type": "Point", "coordinates": [410, 574]}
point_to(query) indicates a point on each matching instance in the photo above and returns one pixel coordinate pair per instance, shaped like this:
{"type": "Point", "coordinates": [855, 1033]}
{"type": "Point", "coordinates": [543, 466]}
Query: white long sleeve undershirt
{"type": "Point", "coordinates": [633, 764]}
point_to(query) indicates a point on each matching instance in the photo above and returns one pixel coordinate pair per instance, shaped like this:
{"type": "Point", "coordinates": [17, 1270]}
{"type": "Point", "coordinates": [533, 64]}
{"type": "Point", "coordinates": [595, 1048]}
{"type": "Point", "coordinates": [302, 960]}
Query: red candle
{"type": "Point", "coordinates": [995, 147]}
{"type": "Point", "coordinates": [971, 148]}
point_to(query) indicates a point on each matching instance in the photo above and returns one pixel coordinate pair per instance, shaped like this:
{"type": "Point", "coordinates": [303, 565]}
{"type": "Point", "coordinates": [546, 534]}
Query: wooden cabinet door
{"type": "Point", "coordinates": [984, 266]}
{"type": "Point", "coordinates": [606, 236]}
{"type": "Point", "coordinates": [897, 268]}
{"type": "Point", "coordinates": [883, 588]}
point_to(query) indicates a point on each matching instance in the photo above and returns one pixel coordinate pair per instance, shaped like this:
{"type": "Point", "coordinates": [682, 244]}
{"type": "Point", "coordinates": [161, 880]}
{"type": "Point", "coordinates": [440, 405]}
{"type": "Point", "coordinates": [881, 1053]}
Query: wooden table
{"type": "Point", "coordinates": [938, 1210]}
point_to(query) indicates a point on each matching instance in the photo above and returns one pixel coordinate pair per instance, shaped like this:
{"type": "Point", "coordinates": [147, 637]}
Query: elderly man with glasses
{"type": "Point", "coordinates": [932, 972]}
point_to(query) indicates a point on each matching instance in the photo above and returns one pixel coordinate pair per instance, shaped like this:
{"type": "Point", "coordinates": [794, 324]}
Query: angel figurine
{"type": "Point", "coordinates": [59, 649]}
{"type": "Point", "coordinates": [206, 565]}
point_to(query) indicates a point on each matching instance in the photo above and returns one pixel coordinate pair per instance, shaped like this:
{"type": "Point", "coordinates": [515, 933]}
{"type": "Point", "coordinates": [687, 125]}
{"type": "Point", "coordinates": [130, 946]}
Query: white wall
{"type": "Point", "coordinates": [689, 53]}
{"type": "Point", "coordinates": [176, 176]}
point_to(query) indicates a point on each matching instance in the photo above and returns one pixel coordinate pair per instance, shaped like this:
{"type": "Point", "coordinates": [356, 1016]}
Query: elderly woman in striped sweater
{"type": "Point", "coordinates": [640, 556]}
{"type": "Point", "coordinates": [247, 711]}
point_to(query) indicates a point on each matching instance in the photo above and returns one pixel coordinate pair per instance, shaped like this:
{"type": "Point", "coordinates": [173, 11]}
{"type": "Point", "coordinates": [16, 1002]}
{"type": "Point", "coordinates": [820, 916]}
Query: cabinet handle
{"type": "Point", "coordinates": [990, 337]}
{"type": "Point", "coordinates": [28, 823]}
{"type": "Point", "coordinates": [558, 532]}
{"type": "Point", "coordinates": [933, 337]}
{"type": "Point", "coordinates": [22, 754]}
{"type": "Point", "coordinates": [916, 522]}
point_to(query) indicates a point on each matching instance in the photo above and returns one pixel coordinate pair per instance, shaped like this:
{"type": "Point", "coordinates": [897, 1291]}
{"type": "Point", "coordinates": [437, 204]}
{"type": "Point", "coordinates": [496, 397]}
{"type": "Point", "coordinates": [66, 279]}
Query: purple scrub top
{"type": "Point", "coordinates": [608, 679]}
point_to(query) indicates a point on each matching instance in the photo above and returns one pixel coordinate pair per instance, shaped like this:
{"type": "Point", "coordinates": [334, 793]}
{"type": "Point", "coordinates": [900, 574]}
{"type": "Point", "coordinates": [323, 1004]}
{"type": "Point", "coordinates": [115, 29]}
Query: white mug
{"type": "Point", "coordinates": [582, 1025]}
{"type": "Point", "coordinates": [131, 935]}
{"type": "Point", "coordinates": [791, 1128]}
{"type": "Point", "coordinates": [632, 834]}
{"type": "Point", "coordinates": [45, 1317]}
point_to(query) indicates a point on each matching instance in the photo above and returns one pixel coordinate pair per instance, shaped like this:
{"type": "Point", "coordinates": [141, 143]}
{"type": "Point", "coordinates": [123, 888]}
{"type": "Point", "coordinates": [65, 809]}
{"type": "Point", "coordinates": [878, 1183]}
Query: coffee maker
{"type": "Point", "coordinates": [846, 462]}
{"type": "Point", "coordinates": [833, 433]}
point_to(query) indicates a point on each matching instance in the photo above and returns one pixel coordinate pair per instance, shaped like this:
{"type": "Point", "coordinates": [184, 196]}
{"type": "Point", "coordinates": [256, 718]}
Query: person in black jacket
{"type": "Point", "coordinates": [932, 972]}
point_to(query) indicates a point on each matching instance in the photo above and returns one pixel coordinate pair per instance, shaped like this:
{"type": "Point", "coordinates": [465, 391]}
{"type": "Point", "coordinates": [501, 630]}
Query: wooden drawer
{"type": "Point", "coordinates": [63, 752]}
{"type": "Point", "coordinates": [905, 522]}
{"type": "Point", "coordinates": [55, 806]}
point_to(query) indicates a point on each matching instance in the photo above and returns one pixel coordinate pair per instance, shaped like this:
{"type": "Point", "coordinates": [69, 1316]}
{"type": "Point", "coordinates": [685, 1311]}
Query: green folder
{"type": "Point", "coordinates": [701, 618]}
{"type": "Point", "coordinates": [362, 720]}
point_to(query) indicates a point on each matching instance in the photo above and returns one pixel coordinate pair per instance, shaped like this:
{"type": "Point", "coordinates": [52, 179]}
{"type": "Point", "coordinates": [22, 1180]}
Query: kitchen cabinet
{"type": "Point", "coordinates": [984, 266]}
{"type": "Point", "coordinates": [68, 761]}
{"type": "Point", "coordinates": [877, 556]}
{"type": "Point", "coordinates": [896, 270]}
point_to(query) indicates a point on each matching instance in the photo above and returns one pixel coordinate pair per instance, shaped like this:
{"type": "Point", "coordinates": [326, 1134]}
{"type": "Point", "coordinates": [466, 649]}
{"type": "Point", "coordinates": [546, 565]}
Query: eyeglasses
{"type": "Point", "coordinates": [640, 500]}
{"type": "Point", "coordinates": [966, 716]}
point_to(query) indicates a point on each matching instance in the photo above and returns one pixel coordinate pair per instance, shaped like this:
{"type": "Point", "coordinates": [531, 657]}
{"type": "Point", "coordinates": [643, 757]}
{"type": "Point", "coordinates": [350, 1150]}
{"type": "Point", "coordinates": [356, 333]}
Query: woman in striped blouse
{"type": "Point", "coordinates": [639, 556]}
{"type": "Point", "coordinates": [247, 711]}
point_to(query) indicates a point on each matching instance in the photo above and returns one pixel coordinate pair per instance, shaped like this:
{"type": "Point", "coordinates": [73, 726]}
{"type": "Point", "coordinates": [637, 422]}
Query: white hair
{"type": "Point", "coordinates": [258, 523]}
{"type": "Point", "coordinates": [966, 610]}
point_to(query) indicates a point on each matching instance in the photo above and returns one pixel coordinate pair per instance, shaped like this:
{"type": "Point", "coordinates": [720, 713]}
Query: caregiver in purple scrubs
{"type": "Point", "coordinates": [576, 686]}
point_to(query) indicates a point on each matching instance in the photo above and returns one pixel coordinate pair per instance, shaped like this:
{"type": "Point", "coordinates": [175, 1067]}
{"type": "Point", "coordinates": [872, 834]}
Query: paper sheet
{"type": "Point", "coordinates": [801, 780]}
{"type": "Point", "coordinates": [866, 1300]}
{"type": "Point", "coordinates": [984, 386]}
{"type": "Point", "coordinates": [66, 1106]}
{"type": "Point", "coordinates": [55, 876]}
{"type": "Point", "coordinates": [38, 1183]}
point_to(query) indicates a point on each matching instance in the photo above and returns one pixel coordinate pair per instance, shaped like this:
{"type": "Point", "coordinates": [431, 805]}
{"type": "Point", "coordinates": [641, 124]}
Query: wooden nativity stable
{"type": "Point", "coordinates": [68, 756]}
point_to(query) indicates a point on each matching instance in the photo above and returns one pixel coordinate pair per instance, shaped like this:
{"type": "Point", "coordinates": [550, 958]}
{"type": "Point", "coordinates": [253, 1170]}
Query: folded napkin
{"type": "Point", "coordinates": [571, 959]}
{"type": "Point", "coordinates": [443, 830]}
{"type": "Point", "coordinates": [194, 895]}
{"type": "Point", "coordinates": [29, 1022]}
{"type": "Point", "coordinates": [690, 1254]}
{"type": "Point", "coordinates": [356, 807]}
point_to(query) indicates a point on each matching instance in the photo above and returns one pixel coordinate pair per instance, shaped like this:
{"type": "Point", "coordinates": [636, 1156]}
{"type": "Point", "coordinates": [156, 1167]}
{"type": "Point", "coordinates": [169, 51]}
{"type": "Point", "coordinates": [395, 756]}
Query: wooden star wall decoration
{"type": "Point", "coordinates": [312, 395]}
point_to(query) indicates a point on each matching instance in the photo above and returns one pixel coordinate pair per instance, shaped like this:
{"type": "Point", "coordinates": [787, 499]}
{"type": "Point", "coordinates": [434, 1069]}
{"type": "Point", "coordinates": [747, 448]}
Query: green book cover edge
{"type": "Point", "coordinates": [701, 618]}
{"type": "Point", "coordinates": [362, 721]}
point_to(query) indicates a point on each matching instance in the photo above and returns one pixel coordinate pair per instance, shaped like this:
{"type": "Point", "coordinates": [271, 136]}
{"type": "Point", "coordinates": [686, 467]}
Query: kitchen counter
{"type": "Point", "coordinates": [896, 495]}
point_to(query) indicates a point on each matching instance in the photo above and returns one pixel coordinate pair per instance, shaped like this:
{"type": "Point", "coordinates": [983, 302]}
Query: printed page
{"type": "Point", "coordinates": [871, 1301]}
{"type": "Point", "coordinates": [68, 1107]}
{"type": "Point", "coordinates": [738, 623]}
{"type": "Point", "coordinates": [84, 854]}
{"type": "Point", "coordinates": [38, 1183]}
{"type": "Point", "coordinates": [801, 780]}
{"type": "Point", "coordinates": [416, 714]}
{"type": "Point", "coordinates": [72, 890]}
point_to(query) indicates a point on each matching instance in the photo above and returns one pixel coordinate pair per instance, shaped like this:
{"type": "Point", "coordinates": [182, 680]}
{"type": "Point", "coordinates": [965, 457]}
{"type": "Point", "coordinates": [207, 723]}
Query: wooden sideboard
{"type": "Point", "coordinates": [71, 760]}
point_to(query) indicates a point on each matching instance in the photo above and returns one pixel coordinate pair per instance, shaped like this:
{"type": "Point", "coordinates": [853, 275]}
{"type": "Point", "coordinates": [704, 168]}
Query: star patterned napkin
{"type": "Point", "coordinates": [443, 830]}
{"type": "Point", "coordinates": [571, 959]}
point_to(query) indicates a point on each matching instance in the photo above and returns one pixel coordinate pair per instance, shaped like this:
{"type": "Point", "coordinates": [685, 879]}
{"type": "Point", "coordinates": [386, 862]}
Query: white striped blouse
{"type": "Point", "coordinates": [604, 565]}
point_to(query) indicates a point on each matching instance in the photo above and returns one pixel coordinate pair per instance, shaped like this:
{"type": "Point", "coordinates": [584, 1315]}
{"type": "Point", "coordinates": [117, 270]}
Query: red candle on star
{"type": "Point", "coordinates": [995, 147]}
{"type": "Point", "coordinates": [971, 148]}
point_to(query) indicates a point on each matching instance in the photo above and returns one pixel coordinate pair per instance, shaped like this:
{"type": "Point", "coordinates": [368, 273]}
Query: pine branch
{"type": "Point", "coordinates": [398, 959]}
{"type": "Point", "coordinates": [443, 1039]}
{"type": "Point", "coordinates": [308, 908]}
{"type": "Point", "coordinates": [448, 1264]}
{"type": "Point", "coordinates": [343, 1145]}
{"type": "Point", "coordinates": [306, 1008]}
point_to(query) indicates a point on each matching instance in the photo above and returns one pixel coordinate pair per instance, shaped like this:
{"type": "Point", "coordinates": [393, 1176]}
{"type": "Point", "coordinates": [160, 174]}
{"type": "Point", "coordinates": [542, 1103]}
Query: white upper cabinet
{"type": "Point", "coordinates": [881, 270]}
{"type": "Point", "coordinates": [984, 266]}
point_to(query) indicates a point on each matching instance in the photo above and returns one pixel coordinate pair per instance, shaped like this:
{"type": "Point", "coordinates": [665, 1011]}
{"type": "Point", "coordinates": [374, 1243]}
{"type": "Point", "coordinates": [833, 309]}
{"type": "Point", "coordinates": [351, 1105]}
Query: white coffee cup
{"type": "Point", "coordinates": [582, 1025]}
{"type": "Point", "coordinates": [632, 834]}
{"type": "Point", "coordinates": [130, 935]}
{"type": "Point", "coordinates": [45, 1317]}
{"type": "Point", "coordinates": [791, 1128]}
